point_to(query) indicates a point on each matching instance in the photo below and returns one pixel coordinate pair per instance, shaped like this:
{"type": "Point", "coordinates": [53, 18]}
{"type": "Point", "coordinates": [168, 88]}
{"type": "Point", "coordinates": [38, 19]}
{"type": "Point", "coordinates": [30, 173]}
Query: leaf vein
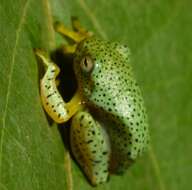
{"type": "Point", "coordinates": [156, 168]}
{"type": "Point", "coordinates": [18, 31]}
{"type": "Point", "coordinates": [93, 18]}
{"type": "Point", "coordinates": [69, 171]}
{"type": "Point", "coordinates": [3, 186]}
{"type": "Point", "coordinates": [48, 15]}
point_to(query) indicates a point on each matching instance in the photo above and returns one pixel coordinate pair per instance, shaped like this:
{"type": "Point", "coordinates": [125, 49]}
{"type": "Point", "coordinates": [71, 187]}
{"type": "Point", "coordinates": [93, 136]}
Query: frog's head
{"type": "Point", "coordinates": [101, 68]}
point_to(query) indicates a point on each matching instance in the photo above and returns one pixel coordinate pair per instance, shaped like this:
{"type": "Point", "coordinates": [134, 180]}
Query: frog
{"type": "Point", "coordinates": [108, 119]}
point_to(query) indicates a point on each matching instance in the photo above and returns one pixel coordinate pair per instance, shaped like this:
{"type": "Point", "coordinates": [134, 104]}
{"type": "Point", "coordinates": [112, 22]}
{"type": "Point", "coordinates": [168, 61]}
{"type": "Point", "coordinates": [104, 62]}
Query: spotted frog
{"type": "Point", "coordinates": [109, 128]}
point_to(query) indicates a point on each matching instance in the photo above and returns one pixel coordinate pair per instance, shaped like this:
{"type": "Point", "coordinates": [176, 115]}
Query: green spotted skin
{"type": "Point", "coordinates": [90, 146]}
{"type": "Point", "coordinates": [111, 90]}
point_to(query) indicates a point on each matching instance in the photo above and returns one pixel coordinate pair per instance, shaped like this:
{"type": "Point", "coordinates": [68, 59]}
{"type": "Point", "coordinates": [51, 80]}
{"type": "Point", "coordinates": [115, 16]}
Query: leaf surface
{"type": "Point", "coordinates": [32, 153]}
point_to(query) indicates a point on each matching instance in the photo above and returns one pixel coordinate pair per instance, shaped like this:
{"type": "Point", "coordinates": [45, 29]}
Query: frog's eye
{"type": "Point", "coordinates": [86, 64]}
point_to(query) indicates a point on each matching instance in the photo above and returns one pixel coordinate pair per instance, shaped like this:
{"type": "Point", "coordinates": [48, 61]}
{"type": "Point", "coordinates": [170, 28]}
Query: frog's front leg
{"type": "Point", "coordinates": [80, 29]}
{"type": "Point", "coordinates": [90, 146]}
{"type": "Point", "coordinates": [76, 35]}
{"type": "Point", "coordinates": [53, 103]}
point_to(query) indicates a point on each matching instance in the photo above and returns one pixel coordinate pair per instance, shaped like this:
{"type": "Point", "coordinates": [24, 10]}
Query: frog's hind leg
{"type": "Point", "coordinates": [53, 103]}
{"type": "Point", "coordinates": [90, 146]}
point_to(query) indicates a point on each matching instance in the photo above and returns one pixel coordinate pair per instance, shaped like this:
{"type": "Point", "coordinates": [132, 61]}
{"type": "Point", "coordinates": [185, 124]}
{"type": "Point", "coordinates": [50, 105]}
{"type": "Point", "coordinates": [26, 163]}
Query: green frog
{"type": "Point", "coordinates": [109, 128]}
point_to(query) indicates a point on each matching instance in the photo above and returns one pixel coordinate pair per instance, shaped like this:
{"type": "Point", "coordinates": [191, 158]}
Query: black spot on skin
{"type": "Point", "coordinates": [90, 141]}
{"type": "Point", "coordinates": [104, 153]}
{"type": "Point", "coordinates": [97, 161]}
{"type": "Point", "coordinates": [81, 118]}
{"type": "Point", "coordinates": [50, 95]}
{"type": "Point", "coordinates": [59, 103]}
{"type": "Point", "coordinates": [59, 115]}
{"type": "Point", "coordinates": [48, 87]}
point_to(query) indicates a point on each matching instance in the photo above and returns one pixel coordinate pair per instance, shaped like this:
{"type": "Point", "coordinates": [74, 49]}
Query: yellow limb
{"type": "Point", "coordinates": [78, 28]}
{"type": "Point", "coordinates": [42, 55]}
{"type": "Point", "coordinates": [69, 49]}
{"type": "Point", "coordinates": [52, 101]}
{"type": "Point", "coordinates": [74, 105]}
{"type": "Point", "coordinates": [65, 32]}
{"type": "Point", "coordinates": [79, 33]}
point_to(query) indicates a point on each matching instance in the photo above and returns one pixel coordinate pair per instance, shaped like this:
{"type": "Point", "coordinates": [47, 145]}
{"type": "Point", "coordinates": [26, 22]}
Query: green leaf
{"type": "Point", "coordinates": [32, 153]}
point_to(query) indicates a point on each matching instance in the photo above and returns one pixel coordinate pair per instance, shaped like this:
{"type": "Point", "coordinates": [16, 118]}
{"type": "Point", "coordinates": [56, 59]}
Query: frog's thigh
{"type": "Point", "coordinates": [90, 146]}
